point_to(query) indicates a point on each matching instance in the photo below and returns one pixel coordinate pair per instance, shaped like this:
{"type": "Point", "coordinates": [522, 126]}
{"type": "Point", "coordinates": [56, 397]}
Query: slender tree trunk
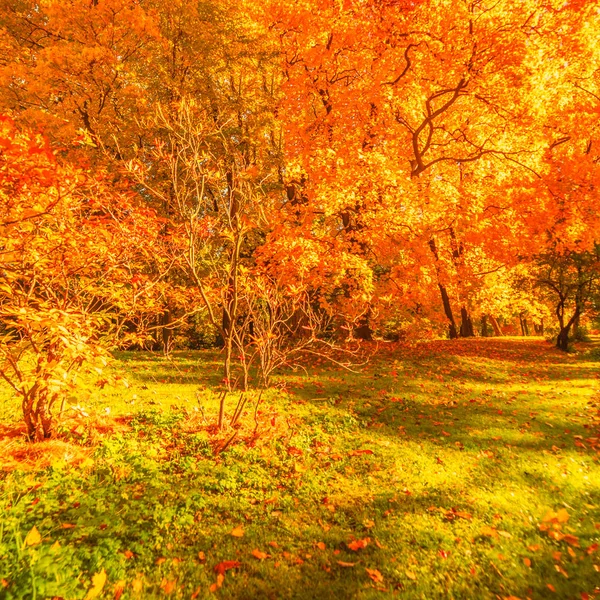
{"type": "Point", "coordinates": [452, 330]}
{"type": "Point", "coordinates": [167, 332]}
{"type": "Point", "coordinates": [496, 326]}
{"type": "Point", "coordinates": [522, 325]}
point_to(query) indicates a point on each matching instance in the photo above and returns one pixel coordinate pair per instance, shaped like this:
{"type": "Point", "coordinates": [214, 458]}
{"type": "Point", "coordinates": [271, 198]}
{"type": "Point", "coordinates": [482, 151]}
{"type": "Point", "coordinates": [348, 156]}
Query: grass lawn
{"type": "Point", "coordinates": [464, 469]}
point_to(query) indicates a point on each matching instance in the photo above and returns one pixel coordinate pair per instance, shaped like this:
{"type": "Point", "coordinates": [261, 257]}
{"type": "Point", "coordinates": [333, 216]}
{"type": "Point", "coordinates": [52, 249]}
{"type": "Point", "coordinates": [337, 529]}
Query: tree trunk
{"type": "Point", "coordinates": [562, 339]}
{"type": "Point", "coordinates": [485, 332]}
{"type": "Point", "coordinates": [452, 331]}
{"type": "Point", "coordinates": [167, 332]}
{"type": "Point", "coordinates": [466, 325]}
{"type": "Point", "coordinates": [496, 326]}
{"type": "Point", "coordinates": [364, 331]}
{"type": "Point", "coordinates": [37, 416]}
{"type": "Point", "coordinates": [521, 324]}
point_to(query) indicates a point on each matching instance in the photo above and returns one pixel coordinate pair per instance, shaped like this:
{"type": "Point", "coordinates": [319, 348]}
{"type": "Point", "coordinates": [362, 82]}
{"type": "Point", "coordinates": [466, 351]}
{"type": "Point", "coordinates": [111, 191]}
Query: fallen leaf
{"type": "Point", "coordinates": [215, 586]}
{"type": "Point", "coordinates": [375, 575]}
{"type": "Point", "coordinates": [527, 562]}
{"type": "Point", "coordinates": [410, 575]}
{"type": "Point", "coordinates": [489, 531]}
{"type": "Point", "coordinates": [226, 565]}
{"type": "Point", "coordinates": [258, 554]}
{"type": "Point", "coordinates": [167, 586]}
{"type": "Point", "coordinates": [33, 538]}
{"type": "Point", "coordinates": [359, 452]}
{"type": "Point", "coordinates": [237, 532]}
{"type": "Point", "coordinates": [98, 581]}
{"type": "Point", "coordinates": [345, 564]}
{"type": "Point", "coordinates": [356, 545]}
{"type": "Point", "coordinates": [321, 545]}
{"type": "Point", "coordinates": [118, 589]}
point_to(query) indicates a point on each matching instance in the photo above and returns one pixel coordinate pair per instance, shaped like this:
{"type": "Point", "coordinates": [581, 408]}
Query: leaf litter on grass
{"type": "Point", "coordinates": [479, 513]}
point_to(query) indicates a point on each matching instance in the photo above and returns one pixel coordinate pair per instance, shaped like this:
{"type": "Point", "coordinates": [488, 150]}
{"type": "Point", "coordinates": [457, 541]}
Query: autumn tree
{"type": "Point", "coordinates": [68, 243]}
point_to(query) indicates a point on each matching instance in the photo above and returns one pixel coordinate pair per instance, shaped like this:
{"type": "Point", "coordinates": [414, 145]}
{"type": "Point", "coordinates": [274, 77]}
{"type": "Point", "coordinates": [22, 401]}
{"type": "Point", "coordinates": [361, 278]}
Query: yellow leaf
{"type": "Point", "coordinates": [98, 581]}
{"type": "Point", "coordinates": [410, 575]}
{"type": "Point", "coordinates": [562, 516]}
{"type": "Point", "coordinates": [137, 585]}
{"type": "Point", "coordinates": [33, 538]}
{"type": "Point", "coordinates": [237, 532]}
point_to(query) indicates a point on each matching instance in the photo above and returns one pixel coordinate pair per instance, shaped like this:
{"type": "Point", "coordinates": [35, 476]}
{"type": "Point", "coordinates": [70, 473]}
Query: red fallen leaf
{"type": "Point", "coordinates": [68, 526]}
{"type": "Point", "coordinates": [358, 544]}
{"type": "Point", "coordinates": [35, 501]}
{"type": "Point", "coordinates": [128, 554]}
{"type": "Point", "coordinates": [359, 452]}
{"type": "Point", "coordinates": [591, 549]}
{"type": "Point", "coordinates": [293, 451]}
{"type": "Point", "coordinates": [571, 540]}
{"type": "Point", "coordinates": [550, 587]}
{"type": "Point", "coordinates": [443, 553]}
{"type": "Point", "coordinates": [226, 565]}
{"type": "Point", "coordinates": [258, 554]}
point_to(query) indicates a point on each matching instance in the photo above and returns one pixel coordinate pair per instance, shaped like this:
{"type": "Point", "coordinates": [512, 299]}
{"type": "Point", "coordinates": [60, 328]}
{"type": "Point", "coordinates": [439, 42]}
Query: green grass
{"type": "Point", "coordinates": [468, 444]}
